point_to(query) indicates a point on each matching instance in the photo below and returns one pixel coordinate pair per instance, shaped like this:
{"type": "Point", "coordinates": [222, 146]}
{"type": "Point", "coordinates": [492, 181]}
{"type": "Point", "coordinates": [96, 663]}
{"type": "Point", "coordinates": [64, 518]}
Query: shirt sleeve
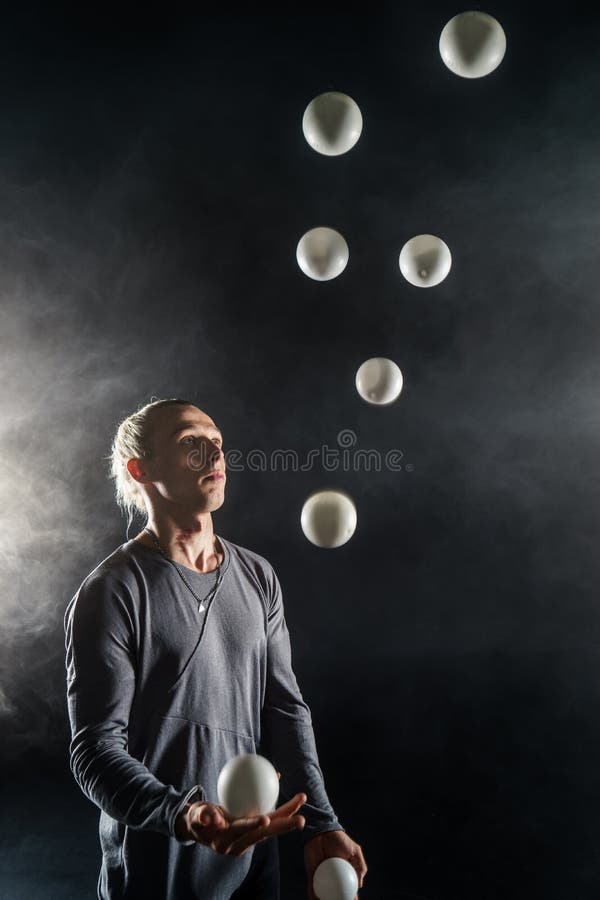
{"type": "Point", "coordinates": [101, 681]}
{"type": "Point", "coordinates": [286, 727]}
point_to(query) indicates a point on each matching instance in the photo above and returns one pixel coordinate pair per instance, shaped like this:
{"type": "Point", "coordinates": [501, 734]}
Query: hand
{"type": "Point", "coordinates": [213, 826]}
{"type": "Point", "coordinates": [328, 844]}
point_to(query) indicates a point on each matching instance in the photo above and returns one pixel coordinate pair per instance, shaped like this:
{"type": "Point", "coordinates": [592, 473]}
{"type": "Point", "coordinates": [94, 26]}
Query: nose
{"type": "Point", "coordinates": [214, 454]}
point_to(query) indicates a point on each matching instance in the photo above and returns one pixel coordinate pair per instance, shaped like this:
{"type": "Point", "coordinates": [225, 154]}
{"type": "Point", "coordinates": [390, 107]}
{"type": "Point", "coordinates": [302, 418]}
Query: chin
{"type": "Point", "coordinates": [215, 495]}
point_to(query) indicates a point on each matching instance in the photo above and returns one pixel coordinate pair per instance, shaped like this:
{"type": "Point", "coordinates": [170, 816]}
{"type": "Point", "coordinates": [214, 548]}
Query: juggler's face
{"type": "Point", "coordinates": [187, 463]}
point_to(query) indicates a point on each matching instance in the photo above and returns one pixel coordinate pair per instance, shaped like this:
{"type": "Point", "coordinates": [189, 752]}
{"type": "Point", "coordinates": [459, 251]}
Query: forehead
{"type": "Point", "coordinates": [174, 418]}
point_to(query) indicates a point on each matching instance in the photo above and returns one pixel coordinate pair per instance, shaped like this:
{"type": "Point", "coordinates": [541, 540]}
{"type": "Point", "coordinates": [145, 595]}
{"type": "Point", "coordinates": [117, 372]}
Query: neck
{"type": "Point", "coordinates": [192, 543]}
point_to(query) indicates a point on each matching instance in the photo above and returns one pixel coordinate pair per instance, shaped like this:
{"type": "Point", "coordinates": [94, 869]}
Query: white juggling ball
{"type": "Point", "coordinates": [425, 260]}
{"type": "Point", "coordinates": [335, 879]}
{"type": "Point", "coordinates": [328, 518]}
{"type": "Point", "coordinates": [472, 44]}
{"type": "Point", "coordinates": [322, 253]}
{"type": "Point", "coordinates": [248, 785]}
{"type": "Point", "coordinates": [379, 381]}
{"type": "Point", "coordinates": [332, 123]}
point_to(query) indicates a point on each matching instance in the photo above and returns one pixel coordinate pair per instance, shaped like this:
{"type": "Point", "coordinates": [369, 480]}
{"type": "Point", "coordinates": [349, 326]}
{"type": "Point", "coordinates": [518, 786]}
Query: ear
{"type": "Point", "coordinates": [135, 469]}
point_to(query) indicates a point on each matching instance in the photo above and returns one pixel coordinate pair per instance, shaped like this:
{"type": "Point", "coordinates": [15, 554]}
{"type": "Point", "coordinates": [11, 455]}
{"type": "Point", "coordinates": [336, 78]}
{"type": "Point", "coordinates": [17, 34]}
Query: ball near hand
{"type": "Point", "coordinates": [332, 123]}
{"type": "Point", "coordinates": [472, 44]}
{"type": "Point", "coordinates": [379, 381]}
{"type": "Point", "coordinates": [335, 879]}
{"type": "Point", "coordinates": [328, 518]}
{"type": "Point", "coordinates": [322, 253]}
{"type": "Point", "coordinates": [425, 260]}
{"type": "Point", "coordinates": [248, 786]}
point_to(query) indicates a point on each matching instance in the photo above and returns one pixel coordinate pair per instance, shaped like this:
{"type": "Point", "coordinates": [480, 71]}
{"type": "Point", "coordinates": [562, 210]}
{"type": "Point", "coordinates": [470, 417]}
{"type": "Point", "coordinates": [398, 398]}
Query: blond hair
{"type": "Point", "coordinates": [132, 441]}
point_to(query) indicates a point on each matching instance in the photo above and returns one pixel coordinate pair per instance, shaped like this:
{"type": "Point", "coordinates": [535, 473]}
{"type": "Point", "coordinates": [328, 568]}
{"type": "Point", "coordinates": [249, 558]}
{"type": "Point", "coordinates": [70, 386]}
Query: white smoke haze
{"type": "Point", "coordinates": [71, 366]}
{"type": "Point", "coordinates": [6, 708]}
{"type": "Point", "coordinates": [54, 382]}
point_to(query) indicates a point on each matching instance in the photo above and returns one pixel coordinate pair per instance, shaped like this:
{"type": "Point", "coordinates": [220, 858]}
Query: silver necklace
{"type": "Point", "coordinates": [201, 606]}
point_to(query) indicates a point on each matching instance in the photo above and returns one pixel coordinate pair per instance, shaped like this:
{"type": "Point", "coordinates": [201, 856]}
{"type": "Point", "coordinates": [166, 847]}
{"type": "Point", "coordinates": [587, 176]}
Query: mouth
{"type": "Point", "coordinates": [216, 476]}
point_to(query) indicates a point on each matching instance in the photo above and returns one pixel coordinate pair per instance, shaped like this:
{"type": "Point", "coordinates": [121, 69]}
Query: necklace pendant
{"type": "Point", "coordinates": [202, 608]}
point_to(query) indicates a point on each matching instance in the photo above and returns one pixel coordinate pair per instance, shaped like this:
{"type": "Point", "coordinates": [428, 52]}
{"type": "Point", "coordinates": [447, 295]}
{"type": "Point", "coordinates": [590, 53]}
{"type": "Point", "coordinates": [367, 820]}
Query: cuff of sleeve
{"type": "Point", "coordinates": [194, 795]}
{"type": "Point", "coordinates": [309, 832]}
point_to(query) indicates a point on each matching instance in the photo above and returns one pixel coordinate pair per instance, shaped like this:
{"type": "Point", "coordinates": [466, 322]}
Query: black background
{"type": "Point", "coordinates": [154, 183]}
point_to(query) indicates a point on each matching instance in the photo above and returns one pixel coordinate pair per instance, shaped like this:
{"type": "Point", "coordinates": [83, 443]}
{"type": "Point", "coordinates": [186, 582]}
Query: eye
{"type": "Point", "coordinates": [191, 437]}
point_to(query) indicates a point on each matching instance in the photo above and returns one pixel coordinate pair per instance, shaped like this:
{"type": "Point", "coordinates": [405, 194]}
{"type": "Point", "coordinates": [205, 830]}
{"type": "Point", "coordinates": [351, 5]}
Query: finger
{"type": "Point", "coordinates": [355, 866]}
{"type": "Point", "coordinates": [361, 867]}
{"type": "Point", "coordinates": [279, 826]}
{"type": "Point", "coordinates": [240, 827]}
{"type": "Point", "coordinates": [239, 845]}
{"type": "Point", "coordinates": [290, 807]}
{"type": "Point", "coordinates": [284, 826]}
{"type": "Point", "coordinates": [360, 874]}
{"type": "Point", "coordinates": [279, 774]}
{"type": "Point", "coordinates": [206, 817]}
{"type": "Point", "coordinates": [234, 829]}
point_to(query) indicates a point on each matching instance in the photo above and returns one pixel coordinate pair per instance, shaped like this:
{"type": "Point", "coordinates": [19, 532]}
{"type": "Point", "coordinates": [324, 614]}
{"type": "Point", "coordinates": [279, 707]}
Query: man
{"type": "Point", "coordinates": [178, 659]}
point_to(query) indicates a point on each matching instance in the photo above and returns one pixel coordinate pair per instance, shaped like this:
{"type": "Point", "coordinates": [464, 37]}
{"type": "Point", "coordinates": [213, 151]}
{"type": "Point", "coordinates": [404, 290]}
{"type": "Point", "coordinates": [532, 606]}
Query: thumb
{"type": "Point", "coordinates": [205, 816]}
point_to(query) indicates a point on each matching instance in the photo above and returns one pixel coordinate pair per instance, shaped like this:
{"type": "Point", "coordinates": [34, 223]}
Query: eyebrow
{"type": "Point", "coordinates": [186, 425]}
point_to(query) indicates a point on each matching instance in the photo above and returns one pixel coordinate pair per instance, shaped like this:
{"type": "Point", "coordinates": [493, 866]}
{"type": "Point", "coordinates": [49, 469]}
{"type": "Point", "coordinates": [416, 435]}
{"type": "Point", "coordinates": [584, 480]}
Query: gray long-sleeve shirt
{"type": "Point", "coordinates": [162, 691]}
